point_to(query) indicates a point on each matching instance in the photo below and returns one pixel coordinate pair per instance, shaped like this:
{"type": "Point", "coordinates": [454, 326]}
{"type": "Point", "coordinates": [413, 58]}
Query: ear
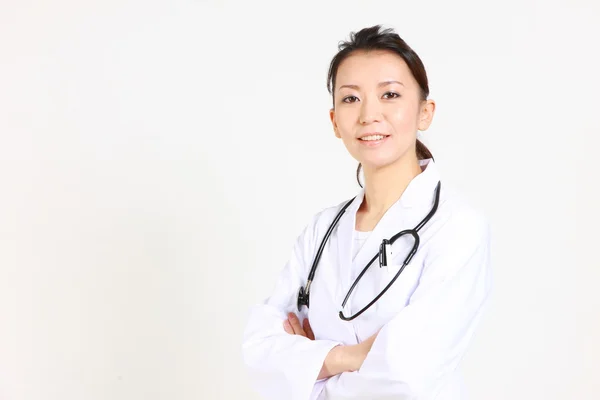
{"type": "Point", "coordinates": [334, 123]}
{"type": "Point", "coordinates": [426, 114]}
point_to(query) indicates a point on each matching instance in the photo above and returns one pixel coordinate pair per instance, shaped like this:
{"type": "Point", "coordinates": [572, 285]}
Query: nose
{"type": "Point", "coordinates": [370, 112]}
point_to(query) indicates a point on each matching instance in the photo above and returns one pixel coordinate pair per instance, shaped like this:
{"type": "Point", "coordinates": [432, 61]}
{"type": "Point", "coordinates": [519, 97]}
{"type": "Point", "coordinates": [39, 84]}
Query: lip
{"type": "Point", "coordinates": [372, 134]}
{"type": "Point", "coordinates": [373, 143]}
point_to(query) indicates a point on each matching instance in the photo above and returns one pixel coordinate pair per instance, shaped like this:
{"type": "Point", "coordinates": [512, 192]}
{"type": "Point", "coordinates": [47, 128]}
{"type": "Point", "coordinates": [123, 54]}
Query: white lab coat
{"type": "Point", "coordinates": [426, 319]}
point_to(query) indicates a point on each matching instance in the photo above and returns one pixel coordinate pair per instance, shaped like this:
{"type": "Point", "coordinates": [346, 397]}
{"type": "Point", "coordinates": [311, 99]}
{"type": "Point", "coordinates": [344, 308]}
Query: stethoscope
{"type": "Point", "coordinates": [384, 255]}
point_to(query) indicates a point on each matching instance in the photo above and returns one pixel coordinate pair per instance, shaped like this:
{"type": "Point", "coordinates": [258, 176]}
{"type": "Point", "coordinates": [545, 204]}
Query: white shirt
{"type": "Point", "coordinates": [360, 238]}
{"type": "Point", "coordinates": [425, 320]}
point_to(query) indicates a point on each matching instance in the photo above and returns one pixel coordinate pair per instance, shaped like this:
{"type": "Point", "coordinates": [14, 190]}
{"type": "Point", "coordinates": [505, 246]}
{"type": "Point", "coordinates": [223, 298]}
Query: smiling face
{"type": "Point", "coordinates": [378, 108]}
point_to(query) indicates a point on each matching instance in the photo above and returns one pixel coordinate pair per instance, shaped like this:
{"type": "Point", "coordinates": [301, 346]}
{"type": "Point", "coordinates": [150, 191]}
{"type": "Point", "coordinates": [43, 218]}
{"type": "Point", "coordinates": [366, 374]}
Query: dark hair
{"type": "Point", "coordinates": [376, 38]}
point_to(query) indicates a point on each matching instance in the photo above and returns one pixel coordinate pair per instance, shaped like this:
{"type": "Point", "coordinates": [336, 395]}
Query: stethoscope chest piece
{"type": "Point", "coordinates": [303, 298]}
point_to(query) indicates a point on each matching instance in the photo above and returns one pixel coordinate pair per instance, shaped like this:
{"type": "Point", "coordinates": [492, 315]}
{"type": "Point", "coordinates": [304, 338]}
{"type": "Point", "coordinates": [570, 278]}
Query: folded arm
{"type": "Point", "coordinates": [342, 358]}
{"type": "Point", "coordinates": [416, 352]}
{"type": "Point", "coordinates": [282, 365]}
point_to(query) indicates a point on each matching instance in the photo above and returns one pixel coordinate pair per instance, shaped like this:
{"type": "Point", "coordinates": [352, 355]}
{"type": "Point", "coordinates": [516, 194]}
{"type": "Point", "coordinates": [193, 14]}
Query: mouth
{"type": "Point", "coordinates": [373, 139]}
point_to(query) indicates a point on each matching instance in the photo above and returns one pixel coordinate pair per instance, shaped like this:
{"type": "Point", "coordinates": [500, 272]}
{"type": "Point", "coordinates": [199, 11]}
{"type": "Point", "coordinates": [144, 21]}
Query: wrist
{"type": "Point", "coordinates": [353, 357]}
{"type": "Point", "coordinates": [342, 358]}
{"type": "Point", "coordinates": [339, 360]}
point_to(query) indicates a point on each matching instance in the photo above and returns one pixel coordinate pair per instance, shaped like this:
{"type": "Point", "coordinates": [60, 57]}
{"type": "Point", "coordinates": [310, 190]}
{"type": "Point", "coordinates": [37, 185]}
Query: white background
{"type": "Point", "coordinates": [157, 160]}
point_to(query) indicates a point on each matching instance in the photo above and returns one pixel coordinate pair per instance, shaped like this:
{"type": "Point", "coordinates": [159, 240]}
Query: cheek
{"type": "Point", "coordinates": [404, 120]}
{"type": "Point", "coordinates": [346, 123]}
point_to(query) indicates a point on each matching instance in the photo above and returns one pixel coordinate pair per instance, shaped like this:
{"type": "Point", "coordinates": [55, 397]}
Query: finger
{"type": "Point", "coordinates": [309, 332]}
{"type": "Point", "coordinates": [287, 327]}
{"type": "Point", "coordinates": [296, 324]}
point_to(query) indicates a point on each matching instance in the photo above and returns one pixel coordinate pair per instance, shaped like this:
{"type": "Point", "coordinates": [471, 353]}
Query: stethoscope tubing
{"type": "Point", "coordinates": [304, 293]}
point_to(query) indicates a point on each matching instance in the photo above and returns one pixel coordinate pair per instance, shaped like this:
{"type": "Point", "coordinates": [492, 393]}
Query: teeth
{"type": "Point", "coordinates": [373, 137]}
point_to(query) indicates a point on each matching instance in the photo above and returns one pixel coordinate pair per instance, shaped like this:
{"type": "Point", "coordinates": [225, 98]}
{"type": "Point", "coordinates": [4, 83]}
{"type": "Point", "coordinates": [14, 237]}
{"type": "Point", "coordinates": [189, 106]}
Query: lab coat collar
{"type": "Point", "coordinates": [417, 193]}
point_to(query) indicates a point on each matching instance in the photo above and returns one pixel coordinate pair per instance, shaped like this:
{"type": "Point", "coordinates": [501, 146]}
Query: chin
{"type": "Point", "coordinates": [382, 162]}
{"type": "Point", "coordinates": [378, 164]}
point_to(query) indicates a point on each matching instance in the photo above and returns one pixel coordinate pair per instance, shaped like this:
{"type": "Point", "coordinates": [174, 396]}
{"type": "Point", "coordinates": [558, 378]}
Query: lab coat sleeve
{"type": "Point", "coordinates": [417, 351]}
{"type": "Point", "coordinates": [283, 366]}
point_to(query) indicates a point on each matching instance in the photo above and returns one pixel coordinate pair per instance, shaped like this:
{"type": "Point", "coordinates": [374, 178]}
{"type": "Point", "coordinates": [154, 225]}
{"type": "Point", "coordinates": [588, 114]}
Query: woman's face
{"type": "Point", "coordinates": [378, 108]}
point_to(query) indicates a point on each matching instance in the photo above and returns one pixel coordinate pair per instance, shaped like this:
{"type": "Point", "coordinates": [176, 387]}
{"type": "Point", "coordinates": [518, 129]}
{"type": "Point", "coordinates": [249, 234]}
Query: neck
{"type": "Point", "coordinates": [384, 186]}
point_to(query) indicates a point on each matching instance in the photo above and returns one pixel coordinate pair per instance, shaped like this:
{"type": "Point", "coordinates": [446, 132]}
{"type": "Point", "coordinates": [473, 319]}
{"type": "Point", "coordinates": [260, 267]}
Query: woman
{"type": "Point", "coordinates": [409, 343]}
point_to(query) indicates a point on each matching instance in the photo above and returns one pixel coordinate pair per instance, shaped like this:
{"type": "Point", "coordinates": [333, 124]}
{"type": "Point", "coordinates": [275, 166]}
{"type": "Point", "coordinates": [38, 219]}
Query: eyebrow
{"type": "Point", "coordinates": [384, 83]}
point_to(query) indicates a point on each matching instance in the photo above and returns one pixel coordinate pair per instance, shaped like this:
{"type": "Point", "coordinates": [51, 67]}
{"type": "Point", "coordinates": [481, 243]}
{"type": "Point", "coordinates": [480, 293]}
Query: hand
{"type": "Point", "coordinates": [333, 363]}
{"type": "Point", "coordinates": [292, 326]}
{"type": "Point", "coordinates": [340, 358]}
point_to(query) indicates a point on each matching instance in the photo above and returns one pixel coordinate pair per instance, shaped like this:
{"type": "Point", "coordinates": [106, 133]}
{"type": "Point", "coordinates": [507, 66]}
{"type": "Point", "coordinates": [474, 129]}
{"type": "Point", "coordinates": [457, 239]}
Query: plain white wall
{"type": "Point", "coordinates": [159, 158]}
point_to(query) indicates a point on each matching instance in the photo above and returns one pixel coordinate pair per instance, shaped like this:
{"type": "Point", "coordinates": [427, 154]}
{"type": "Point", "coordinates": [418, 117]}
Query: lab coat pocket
{"type": "Point", "coordinates": [398, 295]}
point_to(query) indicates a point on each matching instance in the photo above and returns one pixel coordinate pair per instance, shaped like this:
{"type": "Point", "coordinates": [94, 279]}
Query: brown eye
{"type": "Point", "coordinates": [391, 95]}
{"type": "Point", "coordinates": [350, 99]}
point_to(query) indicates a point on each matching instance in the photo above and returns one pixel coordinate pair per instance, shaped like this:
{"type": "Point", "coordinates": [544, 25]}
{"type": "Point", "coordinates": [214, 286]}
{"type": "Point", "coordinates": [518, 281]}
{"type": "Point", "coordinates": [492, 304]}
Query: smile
{"type": "Point", "coordinates": [373, 140]}
{"type": "Point", "coordinates": [373, 137]}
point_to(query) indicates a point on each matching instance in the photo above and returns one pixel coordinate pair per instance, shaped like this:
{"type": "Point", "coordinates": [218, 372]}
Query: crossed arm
{"type": "Point", "coordinates": [339, 359]}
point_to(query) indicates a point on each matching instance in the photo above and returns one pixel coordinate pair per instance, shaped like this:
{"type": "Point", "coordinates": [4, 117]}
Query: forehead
{"type": "Point", "coordinates": [371, 67]}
